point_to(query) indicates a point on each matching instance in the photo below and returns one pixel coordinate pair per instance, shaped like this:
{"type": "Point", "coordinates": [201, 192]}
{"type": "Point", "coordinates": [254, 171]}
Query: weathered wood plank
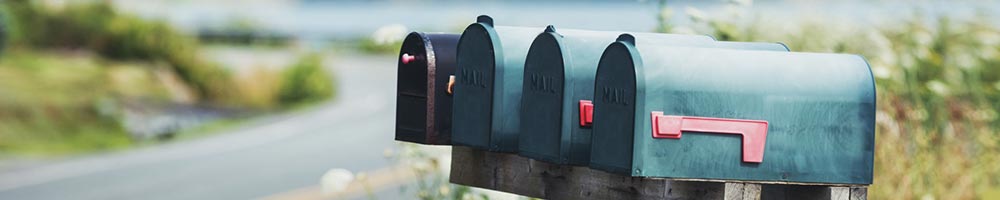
{"type": "Point", "coordinates": [840, 193]}
{"type": "Point", "coordinates": [734, 191]}
{"type": "Point", "coordinates": [859, 193]}
{"type": "Point", "coordinates": [742, 191]}
{"type": "Point", "coordinates": [519, 175]}
{"type": "Point", "coordinates": [751, 191]}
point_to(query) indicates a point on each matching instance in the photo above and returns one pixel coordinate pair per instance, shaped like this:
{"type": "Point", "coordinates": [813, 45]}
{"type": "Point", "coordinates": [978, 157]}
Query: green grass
{"type": "Point", "coordinates": [65, 113]}
{"type": "Point", "coordinates": [65, 68]}
{"type": "Point", "coordinates": [95, 26]}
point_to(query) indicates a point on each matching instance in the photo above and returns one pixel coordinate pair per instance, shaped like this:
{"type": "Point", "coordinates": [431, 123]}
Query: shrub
{"type": "Point", "coordinates": [306, 81]}
{"type": "Point", "coordinates": [95, 26]}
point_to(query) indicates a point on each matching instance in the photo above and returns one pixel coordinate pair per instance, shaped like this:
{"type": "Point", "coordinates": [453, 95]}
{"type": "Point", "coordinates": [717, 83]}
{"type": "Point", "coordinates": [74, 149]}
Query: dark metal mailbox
{"type": "Point", "coordinates": [423, 103]}
{"type": "Point", "coordinates": [789, 117]}
{"type": "Point", "coordinates": [559, 84]}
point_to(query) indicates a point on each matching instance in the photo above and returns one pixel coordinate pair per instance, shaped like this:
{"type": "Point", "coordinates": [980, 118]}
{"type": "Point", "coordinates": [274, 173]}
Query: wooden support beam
{"type": "Point", "coordinates": [742, 191]}
{"type": "Point", "coordinates": [519, 175]}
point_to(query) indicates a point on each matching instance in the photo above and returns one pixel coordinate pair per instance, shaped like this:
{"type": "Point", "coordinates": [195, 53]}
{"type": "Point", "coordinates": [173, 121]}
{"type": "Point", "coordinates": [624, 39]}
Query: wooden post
{"type": "Point", "coordinates": [519, 175]}
{"type": "Point", "coordinates": [742, 191]}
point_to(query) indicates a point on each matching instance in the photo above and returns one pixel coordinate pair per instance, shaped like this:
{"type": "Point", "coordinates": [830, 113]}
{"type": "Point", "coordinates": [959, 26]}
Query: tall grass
{"type": "Point", "coordinates": [59, 71]}
{"type": "Point", "coordinates": [938, 84]}
{"type": "Point", "coordinates": [97, 27]}
{"type": "Point", "coordinates": [69, 112]}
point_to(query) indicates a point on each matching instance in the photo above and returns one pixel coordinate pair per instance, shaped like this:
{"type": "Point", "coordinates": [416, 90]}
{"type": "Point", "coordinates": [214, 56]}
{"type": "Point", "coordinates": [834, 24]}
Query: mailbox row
{"type": "Point", "coordinates": [641, 104]}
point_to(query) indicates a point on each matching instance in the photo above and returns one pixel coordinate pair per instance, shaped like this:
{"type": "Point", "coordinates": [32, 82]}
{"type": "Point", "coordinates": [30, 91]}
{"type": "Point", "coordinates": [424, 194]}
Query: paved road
{"type": "Point", "coordinates": [270, 156]}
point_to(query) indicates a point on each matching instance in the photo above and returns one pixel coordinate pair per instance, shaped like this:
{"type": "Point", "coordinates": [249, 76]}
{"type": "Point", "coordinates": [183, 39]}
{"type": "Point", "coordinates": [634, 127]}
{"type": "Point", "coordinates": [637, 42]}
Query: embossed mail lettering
{"type": "Point", "coordinates": [542, 83]}
{"type": "Point", "coordinates": [472, 77]}
{"type": "Point", "coordinates": [614, 96]}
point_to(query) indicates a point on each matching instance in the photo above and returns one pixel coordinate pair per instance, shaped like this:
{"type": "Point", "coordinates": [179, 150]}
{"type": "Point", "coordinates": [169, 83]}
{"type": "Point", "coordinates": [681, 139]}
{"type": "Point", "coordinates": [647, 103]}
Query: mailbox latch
{"type": "Point", "coordinates": [407, 58]}
{"type": "Point", "coordinates": [586, 113]}
{"type": "Point", "coordinates": [754, 132]}
{"type": "Point", "coordinates": [451, 85]}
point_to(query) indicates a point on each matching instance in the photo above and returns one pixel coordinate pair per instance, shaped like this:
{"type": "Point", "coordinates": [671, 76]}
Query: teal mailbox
{"type": "Point", "coordinates": [556, 107]}
{"type": "Point", "coordinates": [423, 102]}
{"type": "Point", "coordinates": [701, 113]}
{"type": "Point", "coordinates": [488, 85]}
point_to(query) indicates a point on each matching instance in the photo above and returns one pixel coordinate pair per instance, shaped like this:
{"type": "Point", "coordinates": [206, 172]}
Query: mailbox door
{"type": "Point", "coordinates": [818, 111]}
{"type": "Point", "coordinates": [615, 92]}
{"type": "Point", "coordinates": [474, 87]}
{"type": "Point", "coordinates": [541, 102]}
{"type": "Point", "coordinates": [491, 68]}
{"type": "Point", "coordinates": [411, 90]}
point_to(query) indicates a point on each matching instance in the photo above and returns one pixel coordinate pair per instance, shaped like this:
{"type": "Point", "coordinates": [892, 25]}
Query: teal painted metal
{"type": "Point", "coordinates": [423, 106]}
{"type": "Point", "coordinates": [820, 109]}
{"type": "Point", "coordinates": [488, 85]}
{"type": "Point", "coordinates": [559, 72]}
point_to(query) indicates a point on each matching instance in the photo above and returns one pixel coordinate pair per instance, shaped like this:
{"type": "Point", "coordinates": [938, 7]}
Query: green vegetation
{"type": "Point", "coordinates": [243, 32]}
{"type": "Point", "coordinates": [305, 82]}
{"type": "Point", "coordinates": [385, 40]}
{"type": "Point", "coordinates": [67, 69]}
{"type": "Point", "coordinates": [68, 112]}
{"type": "Point", "coordinates": [938, 86]}
{"type": "Point", "coordinates": [99, 28]}
{"type": "Point", "coordinates": [432, 176]}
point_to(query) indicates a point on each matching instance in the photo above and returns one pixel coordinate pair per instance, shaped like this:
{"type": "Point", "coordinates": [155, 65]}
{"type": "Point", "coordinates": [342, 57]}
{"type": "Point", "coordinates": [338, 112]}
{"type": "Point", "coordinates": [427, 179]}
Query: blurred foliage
{"type": "Point", "coordinates": [432, 175]}
{"type": "Point", "coordinates": [385, 40]}
{"type": "Point", "coordinates": [69, 111]}
{"type": "Point", "coordinates": [369, 45]}
{"type": "Point", "coordinates": [69, 68]}
{"type": "Point", "coordinates": [97, 27]}
{"type": "Point", "coordinates": [243, 31]}
{"type": "Point", "coordinates": [259, 87]}
{"type": "Point", "coordinates": [306, 81]}
{"type": "Point", "coordinates": [938, 83]}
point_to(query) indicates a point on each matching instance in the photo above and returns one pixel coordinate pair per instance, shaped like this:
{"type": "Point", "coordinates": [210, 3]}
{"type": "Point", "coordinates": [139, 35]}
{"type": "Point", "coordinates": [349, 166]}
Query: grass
{"type": "Point", "coordinates": [66, 68]}
{"type": "Point", "coordinates": [938, 84]}
{"type": "Point", "coordinates": [97, 27]}
{"type": "Point", "coordinates": [68, 112]}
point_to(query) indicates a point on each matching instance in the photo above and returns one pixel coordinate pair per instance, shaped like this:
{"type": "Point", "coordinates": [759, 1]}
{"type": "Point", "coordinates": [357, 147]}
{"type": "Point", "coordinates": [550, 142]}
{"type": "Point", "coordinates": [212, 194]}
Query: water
{"type": "Point", "coordinates": [352, 19]}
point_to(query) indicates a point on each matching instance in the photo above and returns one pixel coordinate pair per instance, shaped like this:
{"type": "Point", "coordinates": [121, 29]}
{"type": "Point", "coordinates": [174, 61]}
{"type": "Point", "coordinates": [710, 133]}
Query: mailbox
{"type": "Point", "coordinates": [488, 85]}
{"type": "Point", "coordinates": [423, 101]}
{"type": "Point", "coordinates": [701, 113]}
{"type": "Point", "coordinates": [556, 103]}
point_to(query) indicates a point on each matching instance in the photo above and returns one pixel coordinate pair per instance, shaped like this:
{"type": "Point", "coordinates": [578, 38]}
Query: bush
{"type": "Point", "coordinates": [306, 81]}
{"type": "Point", "coordinates": [48, 108]}
{"type": "Point", "coordinates": [95, 26]}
